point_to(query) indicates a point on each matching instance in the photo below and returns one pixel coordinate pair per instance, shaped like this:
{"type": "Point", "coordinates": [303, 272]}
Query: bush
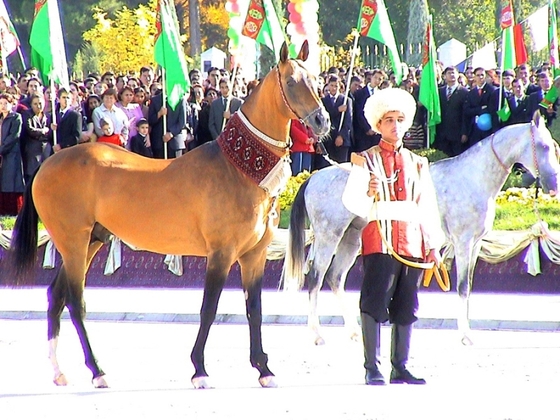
{"type": "Point", "coordinates": [433, 155]}
{"type": "Point", "coordinates": [288, 196]}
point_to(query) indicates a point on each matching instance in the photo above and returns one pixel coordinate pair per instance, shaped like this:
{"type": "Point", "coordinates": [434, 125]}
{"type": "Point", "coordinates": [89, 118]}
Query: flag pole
{"type": "Point", "coordinates": [164, 104]}
{"type": "Point", "coordinates": [502, 64]}
{"type": "Point", "coordinates": [21, 58]}
{"type": "Point", "coordinates": [53, 109]}
{"type": "Point", "coordinates": [350, 70]}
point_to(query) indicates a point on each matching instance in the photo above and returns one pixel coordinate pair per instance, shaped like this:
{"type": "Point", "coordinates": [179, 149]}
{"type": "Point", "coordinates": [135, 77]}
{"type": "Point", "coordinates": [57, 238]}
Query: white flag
{"type": "Point", "coordinates": [537, 24]}
{"type": "Point", "coordinates": [485, 57]}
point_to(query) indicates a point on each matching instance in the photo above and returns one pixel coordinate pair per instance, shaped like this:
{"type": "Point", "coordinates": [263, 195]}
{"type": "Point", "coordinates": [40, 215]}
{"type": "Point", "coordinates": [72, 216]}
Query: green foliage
{"type": "Point", "coordinates": [433, 155]}
{"type": "Point", "coordinates": [287, 197]}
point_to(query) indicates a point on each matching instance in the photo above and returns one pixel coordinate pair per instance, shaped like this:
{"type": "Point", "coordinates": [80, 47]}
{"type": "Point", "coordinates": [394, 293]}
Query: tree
{"type": "Point", "coordinates": [126, 42]}
{"type": "Point", "coordinates": [417, 21]}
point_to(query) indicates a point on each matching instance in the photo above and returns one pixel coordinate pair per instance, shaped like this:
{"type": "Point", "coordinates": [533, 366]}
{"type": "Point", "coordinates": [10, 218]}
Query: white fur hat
{"type": "Point", "coordinates": [387, 100]}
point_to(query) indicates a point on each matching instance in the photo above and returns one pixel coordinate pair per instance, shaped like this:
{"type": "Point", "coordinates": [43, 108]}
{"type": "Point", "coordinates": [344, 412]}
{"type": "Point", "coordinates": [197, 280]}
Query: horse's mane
{"type": "Point", "coordinates": [499, 136]}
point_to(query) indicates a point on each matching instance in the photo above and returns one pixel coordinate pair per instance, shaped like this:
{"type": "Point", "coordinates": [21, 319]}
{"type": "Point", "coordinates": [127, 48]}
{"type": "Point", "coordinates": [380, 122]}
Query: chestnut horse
{"type": "Point", "coordinates": [199, 204]}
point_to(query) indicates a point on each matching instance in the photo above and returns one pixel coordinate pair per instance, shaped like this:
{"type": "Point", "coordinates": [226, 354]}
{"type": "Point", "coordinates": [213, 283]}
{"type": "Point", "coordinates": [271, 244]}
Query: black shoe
{"type": "Point", "coordinates": [405, 377]}
{"type": "Point", "coordinates": [374, 377]}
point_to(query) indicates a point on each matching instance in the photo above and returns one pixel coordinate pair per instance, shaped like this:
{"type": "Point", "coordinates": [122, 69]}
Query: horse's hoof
{"type": "Point", "coordinates": [100, 382]}
{"type": "Point", "coordinates": [60, 380]}
{"type": "Point", "coordinates": [354, 336]}
{"type": "Point", "coordinates": [268, 382]}
{"type": "Point", "coordinates": [466, 341]}
{"type": "Point", "coordinates": [319, 341]}
{"type": "Point", "coordinates": [201, 382]}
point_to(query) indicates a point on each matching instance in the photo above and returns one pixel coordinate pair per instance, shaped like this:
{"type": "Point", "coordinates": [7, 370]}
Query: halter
{"type": "Point", "coordinates": [533, 148]}
{"type": "Point", "coordinates": [504, 167]}
{"type": "Point", "coordinates": [292, 110]}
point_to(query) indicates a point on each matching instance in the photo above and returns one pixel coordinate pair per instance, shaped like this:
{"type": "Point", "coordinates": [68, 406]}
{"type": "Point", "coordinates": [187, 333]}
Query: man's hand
{"type": "Point", "coordinates": [56, 148]}
{"type": "Point", "coordinates": [370, 132]}
{"type": "Point", "coordinates": [162, 111]}
{"type": "Point", "coordinates": [339, 141]}
{"type": "Point", "coordinates": [464, 138]}
{"type": "Point", "coordinates": [167, 136]}
{"type": "Point", "coordinates": [434, 257]}
{"type": "Point", "coordinates": [342, 108]}
{"type": "Point", "coordinates": [227, 114]}
{"type": "Point", "coordinates": [374, 185]}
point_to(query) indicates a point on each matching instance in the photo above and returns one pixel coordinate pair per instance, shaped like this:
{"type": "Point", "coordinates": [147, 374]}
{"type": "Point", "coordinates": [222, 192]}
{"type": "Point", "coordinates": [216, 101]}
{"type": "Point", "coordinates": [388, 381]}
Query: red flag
{"type": "Point", "coordinates": [520, 49]}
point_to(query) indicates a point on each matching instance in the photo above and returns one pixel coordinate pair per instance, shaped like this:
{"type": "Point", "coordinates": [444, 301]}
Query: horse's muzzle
{"type": "Point", "coordinates": [319, 121]}
{"type": "Point", "coordinates": [550, 184]}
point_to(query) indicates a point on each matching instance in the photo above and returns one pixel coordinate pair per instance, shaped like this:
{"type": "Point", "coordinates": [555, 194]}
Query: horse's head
{"type": "Point", "coordinates": [300, 92]}
{"type": "Point", "coordinates": [542, 158]}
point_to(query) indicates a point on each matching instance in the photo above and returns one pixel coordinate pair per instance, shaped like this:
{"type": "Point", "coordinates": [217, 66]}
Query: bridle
{"type": "Point", "coordinates": [292, 110]}
{"type": "Point", "coordinates": [533, 148]}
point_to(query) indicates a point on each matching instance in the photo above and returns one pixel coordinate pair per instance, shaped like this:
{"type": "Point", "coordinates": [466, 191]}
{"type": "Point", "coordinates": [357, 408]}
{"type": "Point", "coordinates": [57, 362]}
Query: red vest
{"type": "Point", "coordinates": [404, 236]}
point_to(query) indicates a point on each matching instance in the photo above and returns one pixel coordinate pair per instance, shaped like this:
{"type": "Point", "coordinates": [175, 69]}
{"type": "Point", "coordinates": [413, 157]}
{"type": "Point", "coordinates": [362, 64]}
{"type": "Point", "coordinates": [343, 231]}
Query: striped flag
{"type": "Point", "coordinates": [47, 43]}
{"type": "Point", "coordinates": [9, 41]}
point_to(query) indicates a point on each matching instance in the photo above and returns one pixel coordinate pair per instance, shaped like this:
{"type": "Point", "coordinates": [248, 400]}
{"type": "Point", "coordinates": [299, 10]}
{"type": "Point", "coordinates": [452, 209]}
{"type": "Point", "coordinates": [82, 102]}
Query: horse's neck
{"type": "Point", "coordinates": [504, 150]}
{"type": "Point", "coordinates": [264, 109]}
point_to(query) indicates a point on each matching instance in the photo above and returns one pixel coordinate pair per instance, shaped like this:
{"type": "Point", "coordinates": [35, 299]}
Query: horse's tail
{"type": "Point", "coordinates": [292, 275]}
{"type": "Point", "coordinates": [23, 247]}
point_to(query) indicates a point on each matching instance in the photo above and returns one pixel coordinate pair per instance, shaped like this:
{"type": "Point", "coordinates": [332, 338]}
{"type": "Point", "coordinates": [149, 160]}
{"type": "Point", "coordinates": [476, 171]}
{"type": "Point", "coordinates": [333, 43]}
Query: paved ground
{"type": "Point", "coordinates": [507, 374]}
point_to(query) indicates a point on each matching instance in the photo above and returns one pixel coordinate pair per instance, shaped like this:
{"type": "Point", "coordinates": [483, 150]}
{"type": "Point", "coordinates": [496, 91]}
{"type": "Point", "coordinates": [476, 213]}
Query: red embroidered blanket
{"type": "Point", "coordinates": [245, 151]}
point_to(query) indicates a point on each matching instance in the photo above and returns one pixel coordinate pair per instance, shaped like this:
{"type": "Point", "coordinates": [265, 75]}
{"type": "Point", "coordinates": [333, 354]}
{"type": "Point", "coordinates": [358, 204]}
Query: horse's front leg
{"type": "Point", "coordinates": [252, 271]}
{"type": "Point", "coordinates": [216, 273]}
{"type": "Point", "coordinates": [465, 259]}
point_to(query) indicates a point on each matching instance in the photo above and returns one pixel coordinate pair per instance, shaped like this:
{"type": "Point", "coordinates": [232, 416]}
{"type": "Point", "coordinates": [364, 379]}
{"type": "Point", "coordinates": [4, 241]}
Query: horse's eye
{"type": "Point", "coordinates": [291, 82]}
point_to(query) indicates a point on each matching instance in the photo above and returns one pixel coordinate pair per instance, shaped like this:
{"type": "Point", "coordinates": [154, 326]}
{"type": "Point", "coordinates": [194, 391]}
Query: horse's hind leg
{"type": "Point", "coordinates": [217, 268]}
{"type": "Point", "coordinates": [343, 260]}
{"type": "Point", "coordinates": [252, 271]}
{"type": "Point", "coordinates": [67, 289]}
{"type": "Point", "coordinates": [56, 294]}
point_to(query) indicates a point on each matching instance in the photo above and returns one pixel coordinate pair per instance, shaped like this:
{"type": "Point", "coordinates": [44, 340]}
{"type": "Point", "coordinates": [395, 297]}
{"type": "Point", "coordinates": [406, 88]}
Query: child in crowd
{"type": "Point", "coordinates": [140, 143]}
{"type": "Point", "coordinates": [109, 135]}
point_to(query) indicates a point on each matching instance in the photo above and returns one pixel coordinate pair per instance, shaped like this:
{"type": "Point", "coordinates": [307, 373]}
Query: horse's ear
{"type": "Point", "coordinates": [536, 118]}
{"type": "Point", "coordinates": [284, 52]}
{"type": "Point", "coordinates": [304, 51]}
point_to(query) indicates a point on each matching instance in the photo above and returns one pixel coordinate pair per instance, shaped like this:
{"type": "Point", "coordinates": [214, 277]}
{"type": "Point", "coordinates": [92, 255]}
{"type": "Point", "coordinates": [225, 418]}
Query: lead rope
{"type": "Point", "coordinates": [537, 178]}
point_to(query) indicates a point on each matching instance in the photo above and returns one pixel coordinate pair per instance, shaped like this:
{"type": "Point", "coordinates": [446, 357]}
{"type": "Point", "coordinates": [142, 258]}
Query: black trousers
{"type": "Point", "coordinates": [390, 289]}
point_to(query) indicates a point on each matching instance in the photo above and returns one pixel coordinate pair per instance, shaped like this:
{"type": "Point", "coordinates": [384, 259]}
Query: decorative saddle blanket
{"type": "Point", "coordinates": [239, 142]}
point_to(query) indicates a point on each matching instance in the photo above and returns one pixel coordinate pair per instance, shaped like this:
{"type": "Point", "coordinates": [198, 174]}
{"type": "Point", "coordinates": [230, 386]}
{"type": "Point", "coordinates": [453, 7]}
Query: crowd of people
{"type": "Point", "coordinates": [128, 110]}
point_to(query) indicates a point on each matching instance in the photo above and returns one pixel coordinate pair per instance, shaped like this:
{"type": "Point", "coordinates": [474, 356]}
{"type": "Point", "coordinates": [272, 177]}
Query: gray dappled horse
{"type": "Point", "coordinates": [466, 187]}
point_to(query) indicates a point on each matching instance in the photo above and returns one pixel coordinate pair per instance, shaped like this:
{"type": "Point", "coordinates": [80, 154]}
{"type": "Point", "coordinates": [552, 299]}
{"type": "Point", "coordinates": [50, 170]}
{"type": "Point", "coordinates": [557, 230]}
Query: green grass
{"type": "Point", "coordinates": [513, 216]}
{"type": "Point", "coordinates": [509, 216]}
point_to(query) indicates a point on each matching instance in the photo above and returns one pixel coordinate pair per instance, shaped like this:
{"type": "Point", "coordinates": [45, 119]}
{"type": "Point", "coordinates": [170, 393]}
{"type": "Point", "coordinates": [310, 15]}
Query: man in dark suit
{"type": "Point", "coordinates": [67, 123]}
{"type": "Point", "coordinates": [222, 109]}
{"type": "Point", "coordinates": [518, 104]}
{"type": "Point", "coordinates": [523, 72]}
{"type": "Point", "coordinates": [338, 141]}
{"type": "Point", "coordinates": [176, 129]}
{"type": "Point", "coordinates": [476, 104]}
{"type": "Point", "coordinates": [535, 98]}
{"type": "Point", "coordinates": [364, 136]}
{"type": "Point", "coordinates": [451, 133]}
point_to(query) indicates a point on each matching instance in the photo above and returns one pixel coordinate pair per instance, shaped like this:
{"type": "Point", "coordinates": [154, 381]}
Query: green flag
{"type": "Point", "coordinates": [169, 54]}
{"type": "Point", "coordinates": [508, 61]}
{"type": "Point", "coordinates": [374, 23]}
{"type": "Point", "coordinates": [262, 25]}
{"type": "Point", "coordinates": [47, 43]}
{"type": "Point", "coordinates": [429, 95]}
{"type": "Point", "coordinates": [553, 38]}
{"type": "Point", "coordinates": [505, 112]}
